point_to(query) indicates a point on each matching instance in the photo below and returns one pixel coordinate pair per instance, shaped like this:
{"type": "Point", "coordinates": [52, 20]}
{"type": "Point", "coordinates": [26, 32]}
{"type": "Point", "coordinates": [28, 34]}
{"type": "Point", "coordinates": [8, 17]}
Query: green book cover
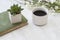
{"type": "Point", "coordinates": [6, 26]}
{"type": "Point", "coordinates": [4, 21]}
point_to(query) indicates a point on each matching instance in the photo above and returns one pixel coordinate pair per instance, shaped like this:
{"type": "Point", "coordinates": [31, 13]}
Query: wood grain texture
{"type": "Point", "coordinates": [12, 29]}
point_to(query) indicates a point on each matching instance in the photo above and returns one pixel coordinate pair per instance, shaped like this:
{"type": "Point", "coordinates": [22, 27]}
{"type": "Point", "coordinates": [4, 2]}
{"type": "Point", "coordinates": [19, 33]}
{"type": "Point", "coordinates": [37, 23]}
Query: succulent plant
{"type": "Point", "coordinates": [15, 9]}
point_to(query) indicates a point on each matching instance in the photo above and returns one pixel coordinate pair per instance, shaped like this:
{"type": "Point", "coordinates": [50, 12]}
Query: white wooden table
{"type": "Point", "coordinates": [51, 31]}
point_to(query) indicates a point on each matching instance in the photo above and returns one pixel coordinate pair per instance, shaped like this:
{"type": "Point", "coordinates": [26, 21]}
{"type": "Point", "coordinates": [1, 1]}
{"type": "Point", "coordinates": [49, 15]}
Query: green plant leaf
{"type": "Point", "coordinates": [15, 9]}
{"type": "Point", "coordinates": [35, 1]}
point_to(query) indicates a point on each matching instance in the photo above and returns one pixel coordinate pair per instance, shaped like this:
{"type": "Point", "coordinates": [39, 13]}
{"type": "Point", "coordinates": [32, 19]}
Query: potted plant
{"type": "Point", "coordinates": [15, 13]}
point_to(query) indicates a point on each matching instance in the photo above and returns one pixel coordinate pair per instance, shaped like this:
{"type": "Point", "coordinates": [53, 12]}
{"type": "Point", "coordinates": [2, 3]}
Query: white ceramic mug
{"type": "Point", "coordinates": [40, 20]}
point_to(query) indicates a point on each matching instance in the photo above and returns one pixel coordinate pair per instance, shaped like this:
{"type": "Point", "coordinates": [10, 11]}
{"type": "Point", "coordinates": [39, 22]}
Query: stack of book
{"type": "Point", "coordinates": [6, 26]}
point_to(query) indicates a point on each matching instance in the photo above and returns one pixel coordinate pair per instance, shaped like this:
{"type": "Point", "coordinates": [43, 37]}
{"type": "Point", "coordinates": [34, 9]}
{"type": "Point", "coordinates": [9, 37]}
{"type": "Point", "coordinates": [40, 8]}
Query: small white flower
{"type": "Point", "coordinates": [56, 7]}
{"type": "Point", "coordinates": [51, 1]}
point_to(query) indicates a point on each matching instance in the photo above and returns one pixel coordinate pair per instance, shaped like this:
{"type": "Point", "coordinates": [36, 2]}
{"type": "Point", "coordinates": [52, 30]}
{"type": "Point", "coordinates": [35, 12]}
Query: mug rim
{"type": "Point", "coordinates": [41, 8]}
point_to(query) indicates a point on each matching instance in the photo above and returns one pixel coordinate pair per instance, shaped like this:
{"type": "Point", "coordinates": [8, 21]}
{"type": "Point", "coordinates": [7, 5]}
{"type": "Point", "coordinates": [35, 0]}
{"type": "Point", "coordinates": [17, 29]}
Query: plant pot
{"type": "Point", "coordinates": [16, 18]}
{"type": "Point", "coordinates": [38, 18]}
